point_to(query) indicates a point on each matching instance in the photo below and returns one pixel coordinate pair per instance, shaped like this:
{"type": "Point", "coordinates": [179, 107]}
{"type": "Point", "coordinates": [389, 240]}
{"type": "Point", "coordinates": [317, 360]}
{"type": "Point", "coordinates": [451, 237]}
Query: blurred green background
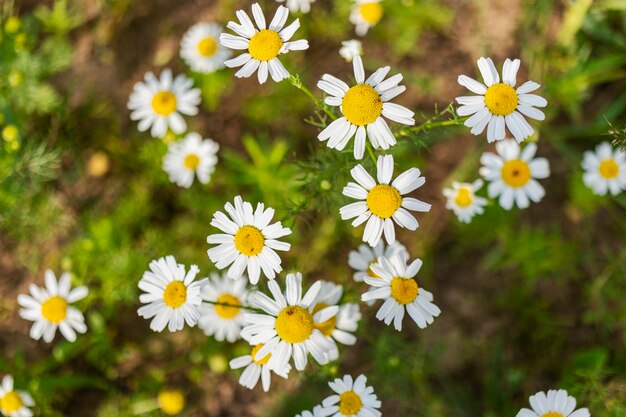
{"type": "Point", "coordinates": [531, 300]}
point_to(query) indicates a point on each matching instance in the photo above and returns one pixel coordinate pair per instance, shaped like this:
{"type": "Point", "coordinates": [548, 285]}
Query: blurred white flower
{"type": "Point", "coordinates": [190, 157]}
{"type": "Point", "coordinates": [200, 48]}
{"type": "Point", "coordinates": [463, 201]}
{"type": "Point", "coordinates": [605, 169]}
{"type": "Point", "coordinates": [350, 49]}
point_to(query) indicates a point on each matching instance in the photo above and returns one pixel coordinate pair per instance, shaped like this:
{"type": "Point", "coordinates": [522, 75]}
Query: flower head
{"type": "Point", "coordinates": [50, 308]}
{"type": "Point", "coordinates": [258, 368]}
{"type": "Point", "coordinates": [605, 169]}
{"type": "Point", "coordinates": [554, 404]}
{"type": "Point", "coordinates": [365, 14]}
{"type": "Point", "coordinates": [352, 398]}
{"type": "Point", "coordinates": [463, 201]}
{"type": "Point", "coordinates": [190, 157]}
{"type": "Point", "coordinates": [201, 50]}
{"type": "Point", "coordinates": [499, 104]}
{"type": "Point", "coordinates": [224, 319]}
{"type": "Point", "coordinates": [14, 403]}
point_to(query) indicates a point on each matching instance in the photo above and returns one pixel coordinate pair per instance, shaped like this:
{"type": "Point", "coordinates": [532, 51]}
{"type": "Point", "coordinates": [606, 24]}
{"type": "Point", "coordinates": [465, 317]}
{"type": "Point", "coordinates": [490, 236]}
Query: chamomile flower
{"type": "Point", "coordinates": [383, 204]}
{"type": "Point", "coordinates": [352, 398]}
{"type": "Point", "coordinates": [361, 260]}
{"type": "Point", "coordinates": [554, 404]}
{"type": "Point", "coordinates": [289, 328]}
{"type": "Point", "coordinates": [223, 320]}
{"type": "Point", "coordinates": [49, 308]}
{"type": "Point", "coordinates": [257, 368]}
{"type": "Point", "coordinates": [14, 403]}
{"type": "Point", "coordinates": [294, 6]}
{"type": "Point", "coordinates": [365, 14]}
{"type": "Point", "coordinates": [200, 48]}
{"type": "Point", "coordinates": [190, 157]}
{"type": "Point", "coordinates": [157, 103]}
{"type": "Point", "coordinates": [398, 287]}
{"type": "Point", "coordinates": [263, 45]}
{"type": "Point", "coordinates": [350, 49]}
{"type": "Point", "coordinates": [605, 169]}
{"type": "Point", "coordinates": [499, 104]}
{"type": "Point", "coordinates": [463, 201]}
{"type": "Point", "coordinates": [513, 175]}
{"type": "Point", "coordinates": [249, 242]}
{"type": "Point", "coordinates": [363, 106]}
{"type": "Point", "coordinates": [171, 296]}
{"type": "Point", "coordinates": [338, 328]}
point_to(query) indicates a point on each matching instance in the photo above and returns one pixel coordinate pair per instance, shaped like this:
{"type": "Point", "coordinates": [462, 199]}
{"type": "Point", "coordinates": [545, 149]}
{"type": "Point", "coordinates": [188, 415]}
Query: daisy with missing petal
{"type": "Point", "coordinates": [499, 104]}
{"type": "Point", "coordinates": [351, 398]}
{"type": "Point", "coordinates": [249, 242]}
{"type": "Point", "coordinates": [463, 201]}
{"type": "Point", "coordinates": [257, 368]}
{"type": "Point", "coordinates": [201, 50]}
{"type": "Point", "coordinates": [157, 103]}
{"type": "Point", "coordinates": [350, 49]}
{"type": "Point", "coordinates": [513, 175]}
{"type": "Point", "coordinates": [49, 308]}
{"type": "Point", "coordinates": [363, 106]}
{"type": "Point", "coordinates": [294, 6]}
{"type": "Point", "coordinates": [190, 157]}
{"type": "Point", "coordinates": [289, 329]}
{"type": "Point", "coordinates": [605, 169]}
{"type": "Point", "coordinates": [383, 204]}
{"type": "Point", "coordinates": [224, 319]}
{"type": "Point", "coordinates": [555, 404]}
{"type": "Point", "coordinates": [398, 287]}
{"type": "Point", "coordinates": [361, 260]}
{"type": "Point", "coordinates": [171, 295]}
{"type": "Point", "coordinates": [365, 14]}
{"type": "Point", "coordinates": [338, 328]}
{"type": "Point", "coordinates": [14, 403]}
{"type": "Point", "coordinates": [263, 45]}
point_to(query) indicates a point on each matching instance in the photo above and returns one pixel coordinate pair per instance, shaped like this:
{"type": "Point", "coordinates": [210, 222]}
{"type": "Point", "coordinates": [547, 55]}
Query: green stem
{"type": "Point", "coordinates": [296, 82]}
{"type": "Point", "coordinates": [429, 124]}
{"type": "Point", "coordinates": [370, 151]}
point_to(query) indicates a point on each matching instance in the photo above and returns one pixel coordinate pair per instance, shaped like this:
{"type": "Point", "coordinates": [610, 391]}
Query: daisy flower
{"type": "Point", "coordinates": [513, 175]}
{"type": "Point", "coordinates": [351, 398]}
{"type": "Point", "coordinates": [398, 287]}
{"type": "Point", "coordinates": [257, 368]}
{"type": "Point", "coordinates": [499, 104]}
{"type": "Point", "coordinates": [201, 50]}
{"type": "Point", "coordinates": [463, 201]}
{"type": "Point", "coordinates": [171, 295]}
{"type": "Point", "coordinates": [263, 45]}
{"type": "Point", "coordinates": [350, 49]}
{"type": "Point", "coordinates": [157, 103]}
{"type": "Point", "coordinates": [361, 260]}
{"type": "Point", "coordinates": [365, 14]}
{"type": "Point", "coordinates": [363, 106]}
{"type": "Point", "coordinates": [555, 404]}
{"type": "Point", "coordinates": [14, 403]}
{"type": "Point", "coordinates": [380, 203]}
{"type": "Point", "coordinates": [190, 157]}
{"type": "Point", "coordinates": [224, 322]}
{"type": "Point", "coordinates": [338, 328]}
{"type": "Point", "coordinates": [605, 169]}
{"type": "Point", "coordinates": [294, 6]}
{"type": "Point", "coordinates": [249, 242]}
{"type": "Point", "coordinates": [289, 329]}
{"type": "Point", "coordinates": [49, 308]}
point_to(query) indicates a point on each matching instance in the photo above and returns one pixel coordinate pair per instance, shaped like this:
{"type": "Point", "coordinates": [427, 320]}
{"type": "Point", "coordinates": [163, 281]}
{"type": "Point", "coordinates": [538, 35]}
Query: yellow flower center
{"type": "Point", "coordinates": [349, 403]}
{"type": "Point", "coordinates": [227, 311]}
{"type": "Point", "coordinates": [249, 241]}
{"type": "Point", "coordinates": [501, 99]}
{"type": "Point", "coordinates": [54, 309]}
{"type": "Point", "coordinates": [175, 294]}
{"type": "Point", "coordinates": [515, 173]}
{"type": "Point", "coordinates": [464, 197]}
{"type": "Point", "coordinates": [404, 290]}
{"type": "Point", "coordinates": [207, 47]}
{"type": "Point", "coordinates": [164, 103]}
{"type": "Point", "coordinates": [608, 169]}
{"type": "Point", "coordinates": [362, 105]}
{"type": "Point", "coordinates": [171, 401]}
{"type": "Point", "coordinates": [294, 324]}
{"type": "Point", "coordinates": [383, 200]}
{"type": "Point", "coordinates": [328, 326]}
{"type": "Point", "coordinates": [191, 161]}
{"type": "Point", "coordinates": [11, 402]}
{"type": "Point", "coordinates": [265, 45]}
{"type": "Point", "coordinates": [261, 361]}
{"type": "Point", "coordinates": [370, 272]}
{"type": "Point", "coordinates": [552, 414]}
{"type": "Point", "coordinates": [371, 12]}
